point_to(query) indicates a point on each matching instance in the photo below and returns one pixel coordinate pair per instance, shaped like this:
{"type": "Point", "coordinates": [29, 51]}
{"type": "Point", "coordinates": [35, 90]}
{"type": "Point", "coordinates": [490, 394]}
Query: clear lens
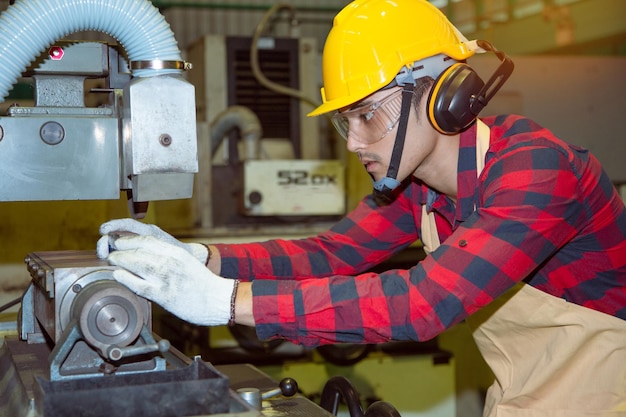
{"type": "Point", "coordinates": [371, 123]}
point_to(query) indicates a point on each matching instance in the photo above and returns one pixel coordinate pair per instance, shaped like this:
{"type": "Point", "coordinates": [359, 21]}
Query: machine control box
{"type": "Point", "coordinates": [294, 187]}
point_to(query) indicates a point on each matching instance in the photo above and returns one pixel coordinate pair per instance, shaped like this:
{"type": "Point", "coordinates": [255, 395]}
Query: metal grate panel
{"type": "Point", "coordinates": [278, 113]}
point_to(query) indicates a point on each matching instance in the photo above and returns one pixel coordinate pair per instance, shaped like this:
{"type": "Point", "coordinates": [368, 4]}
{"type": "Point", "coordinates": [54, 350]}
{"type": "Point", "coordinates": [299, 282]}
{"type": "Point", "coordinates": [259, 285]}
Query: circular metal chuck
{"type": "Point", "coordinates": [108, 314]}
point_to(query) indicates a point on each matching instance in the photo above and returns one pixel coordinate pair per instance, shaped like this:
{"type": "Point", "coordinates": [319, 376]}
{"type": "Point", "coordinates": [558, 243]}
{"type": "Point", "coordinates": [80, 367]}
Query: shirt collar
{"type": "Point", "coordinates": [467, 183]}
{"type": "Point", "coordinates": [467, 178]}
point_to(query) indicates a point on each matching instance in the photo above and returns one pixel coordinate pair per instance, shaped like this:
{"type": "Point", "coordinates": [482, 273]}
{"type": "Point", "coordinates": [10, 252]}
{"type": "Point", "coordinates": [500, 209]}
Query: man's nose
{"type": "Point", "coordinates": [352, 145]}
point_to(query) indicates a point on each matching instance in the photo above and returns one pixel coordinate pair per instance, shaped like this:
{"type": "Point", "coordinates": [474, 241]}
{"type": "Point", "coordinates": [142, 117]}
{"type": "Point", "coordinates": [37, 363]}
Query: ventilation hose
{"type": "Point", "coordinates": [242, 118]}
{"type": "Point", "coordinates": [29, 27]}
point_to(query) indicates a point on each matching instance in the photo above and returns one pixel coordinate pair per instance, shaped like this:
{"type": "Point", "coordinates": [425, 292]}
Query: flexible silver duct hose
{"type": "Point", "coordinates": [29, 27]}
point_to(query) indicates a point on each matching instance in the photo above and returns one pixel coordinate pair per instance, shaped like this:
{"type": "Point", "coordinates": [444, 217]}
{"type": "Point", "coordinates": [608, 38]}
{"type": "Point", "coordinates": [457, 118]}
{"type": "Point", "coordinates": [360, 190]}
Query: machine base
{"type": "Point", "coordinates": [189, 387]}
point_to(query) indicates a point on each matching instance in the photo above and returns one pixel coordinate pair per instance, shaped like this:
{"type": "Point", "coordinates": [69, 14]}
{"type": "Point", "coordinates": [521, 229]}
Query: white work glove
{"type": "Point", "coordinates": [113, 229]}
{"type": "Point", "coordinates": [173, 278]}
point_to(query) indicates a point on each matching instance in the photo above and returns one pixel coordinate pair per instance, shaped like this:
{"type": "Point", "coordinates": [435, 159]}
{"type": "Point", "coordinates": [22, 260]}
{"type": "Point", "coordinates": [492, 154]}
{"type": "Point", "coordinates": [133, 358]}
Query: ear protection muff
{"type": "Point", "coordinates": [459, 94]}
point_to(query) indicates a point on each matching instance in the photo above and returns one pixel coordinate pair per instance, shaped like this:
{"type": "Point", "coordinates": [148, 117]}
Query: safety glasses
{"type": "Point", "coordinates": [371, 122]}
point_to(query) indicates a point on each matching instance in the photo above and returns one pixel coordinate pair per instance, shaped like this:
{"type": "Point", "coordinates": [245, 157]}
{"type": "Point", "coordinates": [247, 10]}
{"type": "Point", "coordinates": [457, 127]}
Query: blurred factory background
{"type": "Point", "coordinates": [570, 58]}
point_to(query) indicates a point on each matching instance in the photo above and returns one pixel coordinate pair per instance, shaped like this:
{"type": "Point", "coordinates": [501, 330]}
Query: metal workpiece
{"type": "Point", "coordinates": [57, 277]}
{"type": "Point", "coordinates": [97, 326]}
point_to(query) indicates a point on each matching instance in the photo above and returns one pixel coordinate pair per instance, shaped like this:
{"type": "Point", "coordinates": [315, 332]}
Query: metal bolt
{"type": "Point", "coordinates": [255, 197]}
{"type": "Point", "coordinates": [1, 133]}
{"type": "Point", "coordinates": [165, 139]}
{"type": "Point", "coordinates": [107, 368]}
{"type": "Point", "coordinates": [52, 133]}
{"type": "Point", "coordinates": [76, 288]}
{"type": "Point", "coordinates": [56, 53]}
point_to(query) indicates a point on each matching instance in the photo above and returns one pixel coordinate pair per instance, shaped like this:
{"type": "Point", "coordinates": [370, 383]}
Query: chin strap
{"type": "Point", "coordinates": [383, 188]}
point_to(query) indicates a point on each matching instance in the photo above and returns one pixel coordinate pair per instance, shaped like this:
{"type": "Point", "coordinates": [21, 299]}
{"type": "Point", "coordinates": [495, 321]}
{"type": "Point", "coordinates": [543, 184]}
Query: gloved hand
{"type": "Point", "coordinates": [110, 229]}
{"type": "Point", "coordinates": [173, 278]}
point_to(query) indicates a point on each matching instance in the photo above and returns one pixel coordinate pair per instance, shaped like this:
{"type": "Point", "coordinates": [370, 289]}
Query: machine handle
{"type": "Point", "coordinates": [381, 409]}
{"type": "Point", "coordinates": [253, 396]}
{"type": "Point", "coordinates": [287, 387]}
{"type": "Point", "coordinates": [116, 353]}
{"type": "Point", "coordinates": [338, 387]}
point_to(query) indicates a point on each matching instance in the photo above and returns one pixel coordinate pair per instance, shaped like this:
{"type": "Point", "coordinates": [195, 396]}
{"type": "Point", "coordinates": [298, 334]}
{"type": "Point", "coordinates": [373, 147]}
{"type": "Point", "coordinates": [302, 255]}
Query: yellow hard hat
{"type": "Point", "coordinates": [372, 40]}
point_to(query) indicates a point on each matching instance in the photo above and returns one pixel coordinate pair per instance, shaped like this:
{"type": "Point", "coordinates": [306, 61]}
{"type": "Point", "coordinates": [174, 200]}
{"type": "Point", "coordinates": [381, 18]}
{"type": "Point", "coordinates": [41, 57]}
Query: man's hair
{"type": "Point", "coordinates": [422, 86]}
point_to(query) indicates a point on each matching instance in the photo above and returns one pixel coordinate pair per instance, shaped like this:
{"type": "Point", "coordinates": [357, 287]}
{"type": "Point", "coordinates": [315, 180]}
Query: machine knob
{"type": "Point", "coordinates": [253, 396]}
{"type": "Point", "coordinates": [287, 387]}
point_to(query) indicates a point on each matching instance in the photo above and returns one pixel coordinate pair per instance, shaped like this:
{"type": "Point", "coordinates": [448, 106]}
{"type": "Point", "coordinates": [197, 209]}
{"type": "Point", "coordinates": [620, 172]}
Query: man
{"type": "Point", "coordinates": [526, 233]}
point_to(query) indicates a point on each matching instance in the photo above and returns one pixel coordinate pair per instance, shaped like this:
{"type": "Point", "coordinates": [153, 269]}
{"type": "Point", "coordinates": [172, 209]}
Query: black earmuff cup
{"type": "Point", "coordinates": [452, 96]}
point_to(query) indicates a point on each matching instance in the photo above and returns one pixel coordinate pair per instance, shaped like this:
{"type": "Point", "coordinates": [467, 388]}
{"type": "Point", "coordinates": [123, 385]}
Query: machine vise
{"type": "Point", "coordinates": [86, 345]}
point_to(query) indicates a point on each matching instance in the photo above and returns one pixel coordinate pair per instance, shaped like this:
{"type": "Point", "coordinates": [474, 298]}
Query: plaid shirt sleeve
{"type": "Point", "coordinates": [541, 211]}
{"type": "Point", "coordinates": [301, 308]}
{"type": "Point", "coordinates": [366, 237]}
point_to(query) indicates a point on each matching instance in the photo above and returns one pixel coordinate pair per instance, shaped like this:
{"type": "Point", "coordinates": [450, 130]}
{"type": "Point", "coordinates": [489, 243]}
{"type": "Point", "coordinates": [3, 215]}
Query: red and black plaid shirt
{"type": "Point", "coordinates": [547, 214]}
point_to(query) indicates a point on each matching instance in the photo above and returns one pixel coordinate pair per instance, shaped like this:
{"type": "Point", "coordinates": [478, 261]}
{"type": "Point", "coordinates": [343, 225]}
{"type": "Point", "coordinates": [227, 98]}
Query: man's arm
{"type": "Point", "coordinates": [364, 238]}
{"type": "Point", "coordinates": [243, 304]}
{"type": "Point", "coordinates": [215, 259]}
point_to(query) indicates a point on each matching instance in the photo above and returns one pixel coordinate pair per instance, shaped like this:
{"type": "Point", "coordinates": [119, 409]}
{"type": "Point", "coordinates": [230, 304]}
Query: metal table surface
{"type": "Point", "coordinates": [247, 376]}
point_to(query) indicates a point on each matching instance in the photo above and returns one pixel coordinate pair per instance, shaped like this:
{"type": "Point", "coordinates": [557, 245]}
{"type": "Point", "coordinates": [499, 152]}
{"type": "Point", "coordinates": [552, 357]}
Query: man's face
{"type": "Point", "coordinates": [370, 127]}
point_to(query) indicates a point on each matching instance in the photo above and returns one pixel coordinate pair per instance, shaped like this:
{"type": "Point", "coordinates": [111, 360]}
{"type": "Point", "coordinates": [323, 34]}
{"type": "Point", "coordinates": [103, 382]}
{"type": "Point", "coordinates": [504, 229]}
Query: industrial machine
{"type": "Point", "coordinates": [264, 166]}
{"type": "Point", "coordinates": [86, 347]}
{"type": "Point", "coordinates": [85, 344]}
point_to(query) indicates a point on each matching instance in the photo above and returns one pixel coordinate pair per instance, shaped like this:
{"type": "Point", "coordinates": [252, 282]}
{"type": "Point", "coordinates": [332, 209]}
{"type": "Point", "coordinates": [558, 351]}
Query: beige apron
{"type": "Point", "coordinates": [550, 358]}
